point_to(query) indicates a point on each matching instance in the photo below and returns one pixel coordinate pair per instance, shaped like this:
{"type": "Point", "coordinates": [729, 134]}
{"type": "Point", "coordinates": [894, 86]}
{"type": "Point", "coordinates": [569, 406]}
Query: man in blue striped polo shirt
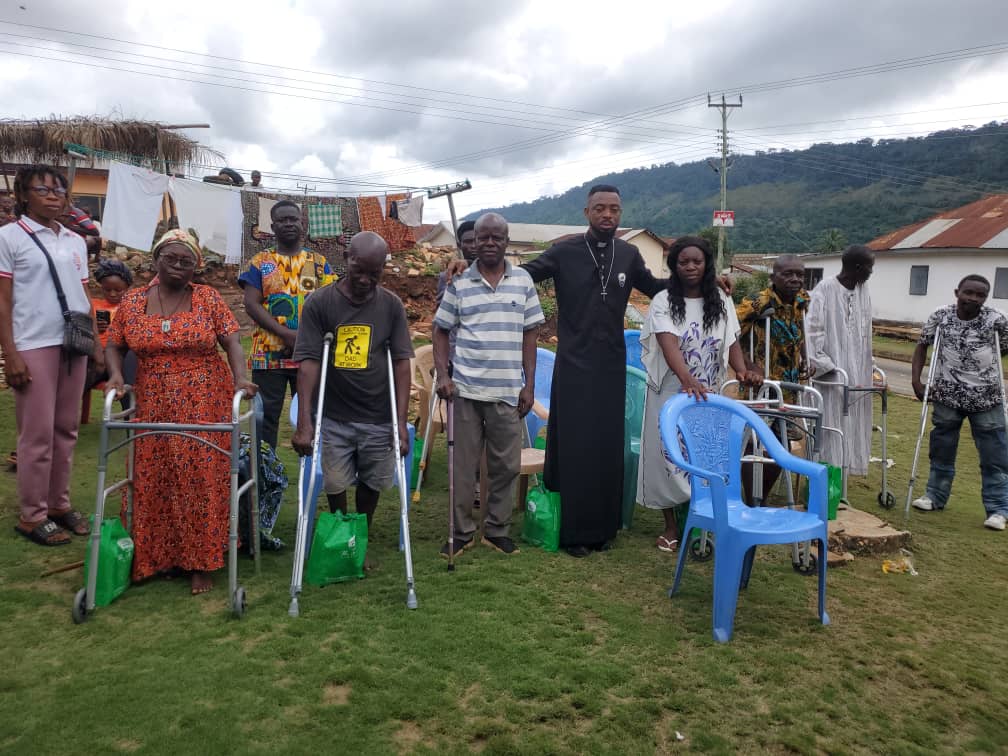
{"type": "Point", "coordinates": [496, 310]}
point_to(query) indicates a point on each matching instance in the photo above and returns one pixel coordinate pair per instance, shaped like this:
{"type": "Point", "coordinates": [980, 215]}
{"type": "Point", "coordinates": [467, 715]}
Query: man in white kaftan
{"type": "Point", "coordinates": [838, 335]}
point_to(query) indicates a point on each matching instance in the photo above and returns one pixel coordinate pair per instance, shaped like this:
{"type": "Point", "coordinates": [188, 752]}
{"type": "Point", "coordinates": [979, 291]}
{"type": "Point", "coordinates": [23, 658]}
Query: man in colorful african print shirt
{"type": "Point", "coordinates": [276, 284]}
{"type": "Point", "coordinates": [789, 302]}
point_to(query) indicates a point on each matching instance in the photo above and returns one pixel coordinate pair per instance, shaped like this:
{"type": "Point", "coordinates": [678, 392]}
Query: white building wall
{"type": "Point", "coordinates": [890, 281]}
{"type": "Point", "coordinates": [653, 253]}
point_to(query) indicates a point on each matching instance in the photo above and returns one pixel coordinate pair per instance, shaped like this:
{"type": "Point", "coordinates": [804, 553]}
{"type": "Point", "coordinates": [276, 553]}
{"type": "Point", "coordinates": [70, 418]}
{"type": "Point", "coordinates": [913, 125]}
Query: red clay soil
{"type": "Point", "coordinates": [417, 293]}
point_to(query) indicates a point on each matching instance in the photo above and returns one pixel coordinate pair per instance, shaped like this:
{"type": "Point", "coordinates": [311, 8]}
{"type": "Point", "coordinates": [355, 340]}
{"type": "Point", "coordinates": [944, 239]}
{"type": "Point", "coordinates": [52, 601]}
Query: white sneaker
{"type": "Point", "coordinates": [995, 522]}
{"type": "Point", "coordinates": [924, 504]}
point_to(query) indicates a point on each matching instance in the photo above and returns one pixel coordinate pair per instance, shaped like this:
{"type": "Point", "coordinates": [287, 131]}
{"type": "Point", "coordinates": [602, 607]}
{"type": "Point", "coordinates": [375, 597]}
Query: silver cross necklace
{"type": "Point", "coordinates": [603, 281]}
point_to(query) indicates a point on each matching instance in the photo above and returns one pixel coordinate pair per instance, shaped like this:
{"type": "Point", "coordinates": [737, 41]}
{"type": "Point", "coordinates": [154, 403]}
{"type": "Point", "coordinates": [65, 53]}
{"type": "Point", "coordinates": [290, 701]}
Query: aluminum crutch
{"type": "Point", "coordinates": [307, 470]}
{"type": "Point", "coordinates": [400, 471]}
{"type": "Point", "coordinates": [886, 499]}
{"type": "Point", "coordinates": [450, 432]}
{"type": "Point", "coordinates": [425, 452]}
{"type": "Point", "coordinates": [923, 421]}
{"type": "Point", "coordinates": [1000, 373]}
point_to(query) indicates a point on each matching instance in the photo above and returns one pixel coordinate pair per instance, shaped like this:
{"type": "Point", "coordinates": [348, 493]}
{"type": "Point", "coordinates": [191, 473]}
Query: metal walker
{"type": "Point", "coordinates": [851, 394]}
{"type": "Point", "coordinates": [84, 601]}
{"type": "Point", "coordinates": [807, 417]}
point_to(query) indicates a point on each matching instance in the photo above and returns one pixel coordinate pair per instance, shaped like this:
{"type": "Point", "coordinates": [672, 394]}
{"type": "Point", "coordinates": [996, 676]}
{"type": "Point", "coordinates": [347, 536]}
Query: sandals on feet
{"type": "Point", "coordinates": [668, 545]}
{"type": "Point", "coordinates": [73, 521]}
{"type": "Point", "coordinates": [46, 533]}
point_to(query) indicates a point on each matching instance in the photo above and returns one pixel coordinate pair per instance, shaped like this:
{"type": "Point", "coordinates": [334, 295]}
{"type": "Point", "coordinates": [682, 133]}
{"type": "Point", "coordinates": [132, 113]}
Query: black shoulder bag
{"type": "Point", "coordinates": [78, 328]}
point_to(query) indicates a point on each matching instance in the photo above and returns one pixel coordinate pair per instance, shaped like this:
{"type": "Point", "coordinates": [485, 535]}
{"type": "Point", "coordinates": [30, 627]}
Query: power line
{"type": "Point", "coordinates": [354, 94]}
{"type": "Point", "coordinates": [467, 95]}
{"type": "Point", "coordinates": [588, 129]}
{"type": "Point", "coordinates": [920, 61]}
{"type": "Point", "coordinates": [870, 117]}
{"type": "Point", "coordinates": [878, 166]}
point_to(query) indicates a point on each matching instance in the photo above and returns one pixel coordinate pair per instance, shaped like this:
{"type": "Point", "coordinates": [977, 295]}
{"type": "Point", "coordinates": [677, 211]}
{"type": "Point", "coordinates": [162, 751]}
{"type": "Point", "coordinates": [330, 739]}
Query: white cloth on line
{"type": "Point", "coordinates": [411, 210]}
{"type": "Point", "coordinates": [235, 230]}
{"type": "Point", "coordinates": [133, 205]}
{"type": "Point", "coordinates": [383, 202]}
{"type": "Point", "coordinates": [265, 222]}
{"type": "Point", "coordinates": [209, 209]}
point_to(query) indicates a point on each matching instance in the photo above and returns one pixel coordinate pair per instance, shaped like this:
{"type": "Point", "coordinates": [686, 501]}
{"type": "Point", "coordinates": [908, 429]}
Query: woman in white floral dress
{"type": "Point", "coordinates": [689, 339]}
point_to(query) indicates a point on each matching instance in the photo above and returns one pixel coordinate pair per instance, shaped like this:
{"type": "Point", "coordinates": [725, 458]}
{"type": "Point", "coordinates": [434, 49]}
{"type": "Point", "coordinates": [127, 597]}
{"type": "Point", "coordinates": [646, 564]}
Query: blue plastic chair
{"type": "Point", "coordinates": [633, 426]}
{"type": "Point", "coordinates": [313, 488]}
{"type": "Point", "coordinates": [633, 349]}
{"type": "Point", "coordinates": [713, 433]}
{"type": "Point", "coordinates": [543, 385]}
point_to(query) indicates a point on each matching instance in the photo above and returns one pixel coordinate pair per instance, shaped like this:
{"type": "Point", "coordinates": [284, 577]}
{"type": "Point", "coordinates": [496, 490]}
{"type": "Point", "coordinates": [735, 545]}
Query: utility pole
{"type": "Point", "coordinates": [447, 191]}
{"type": "Point", "coordinates": [723, 106]}
{"type": "Point", "coordinates": [305, 188]}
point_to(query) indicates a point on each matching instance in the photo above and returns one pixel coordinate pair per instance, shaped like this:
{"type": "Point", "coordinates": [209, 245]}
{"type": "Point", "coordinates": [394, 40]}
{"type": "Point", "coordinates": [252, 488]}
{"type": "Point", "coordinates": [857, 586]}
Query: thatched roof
{"type": "Point", "coordinates": [43, 140]}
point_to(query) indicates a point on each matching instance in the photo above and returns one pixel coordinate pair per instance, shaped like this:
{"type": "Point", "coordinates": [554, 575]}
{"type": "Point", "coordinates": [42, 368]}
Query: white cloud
{"type": "Point", "coordinates": [523, 72]}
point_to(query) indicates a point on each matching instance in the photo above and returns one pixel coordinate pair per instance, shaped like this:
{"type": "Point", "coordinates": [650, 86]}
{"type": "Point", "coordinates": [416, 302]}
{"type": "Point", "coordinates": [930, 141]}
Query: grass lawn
{"type": "Point", "coordinates": [536, 653]}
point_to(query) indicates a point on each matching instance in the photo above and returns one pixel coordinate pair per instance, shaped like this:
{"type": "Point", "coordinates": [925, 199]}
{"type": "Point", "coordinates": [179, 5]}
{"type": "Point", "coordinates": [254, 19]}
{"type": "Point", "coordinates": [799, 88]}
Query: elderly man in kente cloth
{"type": "Point", "coordinates": [786, 301]}
{"type": "Point", "coordinates": [593, 274]}
{"type": "Point", "coordinates": [838, 335]}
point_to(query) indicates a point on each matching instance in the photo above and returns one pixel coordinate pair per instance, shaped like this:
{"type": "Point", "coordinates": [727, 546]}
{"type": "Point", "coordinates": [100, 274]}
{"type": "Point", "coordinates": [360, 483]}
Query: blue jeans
{"type": "Point", "coordinates": [991, 440]}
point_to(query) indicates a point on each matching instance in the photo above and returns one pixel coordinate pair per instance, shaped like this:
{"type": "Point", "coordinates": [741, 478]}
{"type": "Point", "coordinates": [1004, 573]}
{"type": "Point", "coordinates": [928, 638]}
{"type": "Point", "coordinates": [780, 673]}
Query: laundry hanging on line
{"type": "Point", "coordinates": [214, 211]}
{"type": "Point", "coordinates": [325, 221]}
{"type": "Point", "coordinates": [133, 205]}
{"type": "Point", "coordinates": [409, 212]}
{"type": "Point", "coordinates": [265, 218]}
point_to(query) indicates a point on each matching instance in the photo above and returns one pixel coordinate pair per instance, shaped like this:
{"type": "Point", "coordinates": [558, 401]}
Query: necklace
{"type": "Point", "coordinates": [166, 319]}
{"type": "Point", "coordinates": [603, 281]}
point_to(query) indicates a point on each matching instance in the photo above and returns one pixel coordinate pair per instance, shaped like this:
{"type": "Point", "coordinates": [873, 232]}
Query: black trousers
{"type": "Point", "coordinates": [273, 390]}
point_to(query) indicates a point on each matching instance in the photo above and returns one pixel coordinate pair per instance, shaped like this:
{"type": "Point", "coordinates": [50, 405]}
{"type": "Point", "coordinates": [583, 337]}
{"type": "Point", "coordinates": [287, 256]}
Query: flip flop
{"type": "Point", "coordinates": [667, 545]}
{"type": "Point", "coordinates": [43, 533]}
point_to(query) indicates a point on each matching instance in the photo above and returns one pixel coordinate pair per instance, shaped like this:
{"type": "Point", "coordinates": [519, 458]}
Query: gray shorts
{"type": "Point", "coordinates": [356, 452]}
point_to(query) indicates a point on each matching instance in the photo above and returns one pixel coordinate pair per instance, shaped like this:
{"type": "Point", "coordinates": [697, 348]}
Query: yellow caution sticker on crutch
{"type": "Point", "coordinates": [353, 345]}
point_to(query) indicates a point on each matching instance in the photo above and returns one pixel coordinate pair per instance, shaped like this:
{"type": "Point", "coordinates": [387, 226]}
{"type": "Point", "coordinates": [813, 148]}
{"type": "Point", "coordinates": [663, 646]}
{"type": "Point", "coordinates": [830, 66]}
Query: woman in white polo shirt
{"type": "Point", "coordinates": [47, 383]}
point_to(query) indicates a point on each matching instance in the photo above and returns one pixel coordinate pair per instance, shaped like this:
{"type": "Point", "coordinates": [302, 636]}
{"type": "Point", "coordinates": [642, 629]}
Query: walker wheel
{"type": "Point", "coordinates": [886, 500]}
{"type": "Point", "coordinates": [239, 604]}
{"type": "Point", "coordinates": [701, 550]}
{"type": "Point", "coordinates": [79, 611]}
{"type": "Point", "coordinates": [806, 567]}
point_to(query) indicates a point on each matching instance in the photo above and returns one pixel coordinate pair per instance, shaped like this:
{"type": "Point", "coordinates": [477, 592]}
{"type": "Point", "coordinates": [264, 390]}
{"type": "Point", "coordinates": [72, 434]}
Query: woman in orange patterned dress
{"type": "Point", "coordinates": [182, 487]}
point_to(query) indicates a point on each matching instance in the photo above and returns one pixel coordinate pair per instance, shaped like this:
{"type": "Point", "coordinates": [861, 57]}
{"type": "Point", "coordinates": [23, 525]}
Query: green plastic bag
{"type": "Point", "coordinates": [834, 489]}
{"type": "Point", "coordinates": [115, 559]}
{"type": "Point", "coordinates": [338, 549]}
{"type": "Point", "coordinates": [417, 459]}
{"type": "Point", "coordinates": [542, 519]}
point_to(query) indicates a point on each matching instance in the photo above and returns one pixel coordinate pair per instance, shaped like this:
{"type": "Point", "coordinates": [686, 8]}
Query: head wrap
{"type": "Point", "coordinates": [178, 236]}
{"type": "Point", "coordinates": [112, 267]}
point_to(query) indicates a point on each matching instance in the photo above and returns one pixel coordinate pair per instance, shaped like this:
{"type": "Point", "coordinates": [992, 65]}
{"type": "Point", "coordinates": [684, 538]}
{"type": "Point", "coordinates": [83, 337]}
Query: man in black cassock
{"type": "Point", "coordinates": [593, 274]}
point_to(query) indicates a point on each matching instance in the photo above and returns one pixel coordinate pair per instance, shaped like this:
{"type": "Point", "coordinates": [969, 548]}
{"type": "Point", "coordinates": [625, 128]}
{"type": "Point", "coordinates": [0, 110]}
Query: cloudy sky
{"type": "Point", "coordinates": [524, 98]}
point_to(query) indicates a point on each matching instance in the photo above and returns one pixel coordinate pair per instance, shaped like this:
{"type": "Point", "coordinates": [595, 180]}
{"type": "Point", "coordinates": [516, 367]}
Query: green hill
{"type": "Point", "coordinates": [793, 200]}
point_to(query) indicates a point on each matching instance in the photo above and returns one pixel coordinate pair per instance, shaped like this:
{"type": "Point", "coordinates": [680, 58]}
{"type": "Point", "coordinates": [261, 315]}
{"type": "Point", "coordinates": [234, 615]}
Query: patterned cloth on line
{"type": "Point", "coordinates": [325, 221]}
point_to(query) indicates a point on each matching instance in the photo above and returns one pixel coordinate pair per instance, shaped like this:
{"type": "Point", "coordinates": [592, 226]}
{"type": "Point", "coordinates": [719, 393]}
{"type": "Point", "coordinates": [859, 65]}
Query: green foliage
{"type": "Point", "coordinates": [547, 299]}
{"type": "Point", "coordinates": [831, 240]}
{"type": "Point", "coordinates": [786, 200]}
{"type": "Point", "coordinates": [746, 286]}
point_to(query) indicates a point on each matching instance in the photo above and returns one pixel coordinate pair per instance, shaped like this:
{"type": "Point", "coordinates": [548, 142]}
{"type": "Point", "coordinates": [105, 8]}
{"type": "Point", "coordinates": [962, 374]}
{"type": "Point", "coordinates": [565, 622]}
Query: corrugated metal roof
{"type": "Point", "coordinates": [983, 223]}
{"type": "Point", "coordinates": [531, 233]}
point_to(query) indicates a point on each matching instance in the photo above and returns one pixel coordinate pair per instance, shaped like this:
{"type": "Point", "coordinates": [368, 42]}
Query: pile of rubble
{"type": "Point", "coordinates": [421, 260]}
